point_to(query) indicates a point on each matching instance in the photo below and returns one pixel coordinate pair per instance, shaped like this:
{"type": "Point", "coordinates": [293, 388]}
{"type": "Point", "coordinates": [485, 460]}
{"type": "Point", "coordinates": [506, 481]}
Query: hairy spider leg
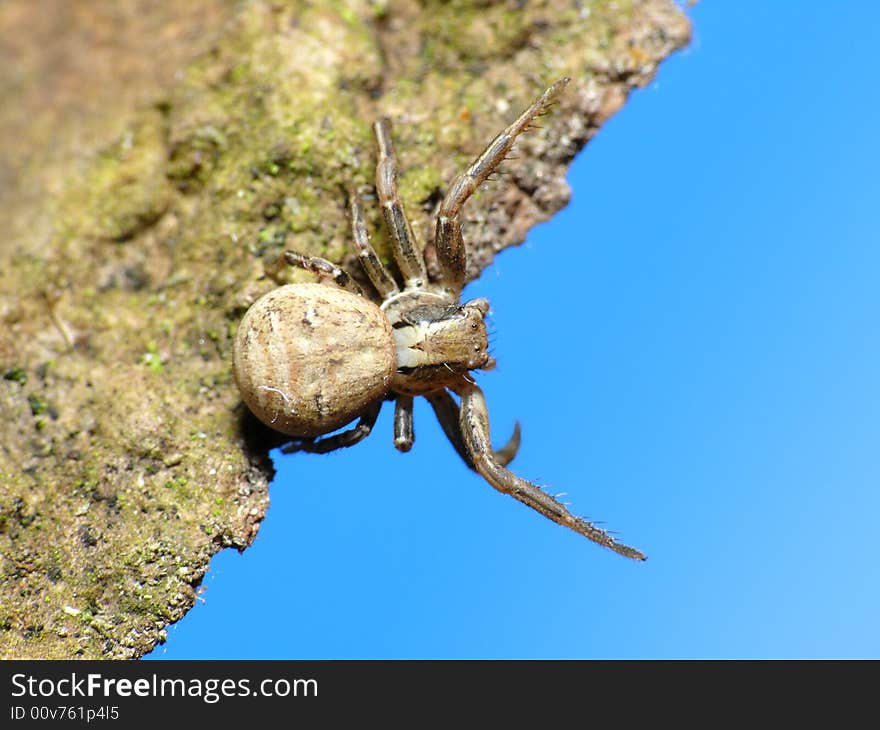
{"type": "Point", "coordinates": [409, 259]}
{"type": "Point", "coordinates": [403, 423]}
{"type": "Point", "coordinates": [340, 440]}
{"type": "Point", "coordinates": [475, 431]}
{"type": "Point", "coordinates": [448, 241]}
{"type": "Point", "coordinates": [382, 280]}
{"type": "Point", "coordinates": [447, 412]}
{"type": "Point", "coordinates": [325, 269]}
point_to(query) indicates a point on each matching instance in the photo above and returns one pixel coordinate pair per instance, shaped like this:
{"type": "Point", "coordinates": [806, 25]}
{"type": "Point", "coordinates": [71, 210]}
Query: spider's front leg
{"type": "Point", "coordinates": [447, 412]}
{"type": "Point", "coordinates": [475, 432]}
{"type": "Point", "coordinates": [448, 242]}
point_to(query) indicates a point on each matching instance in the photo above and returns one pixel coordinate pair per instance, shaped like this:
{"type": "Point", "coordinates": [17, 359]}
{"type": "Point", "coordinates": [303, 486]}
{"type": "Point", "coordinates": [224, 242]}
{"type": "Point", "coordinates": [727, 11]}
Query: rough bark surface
{"type": "Point", "coordinates": [154, 159]}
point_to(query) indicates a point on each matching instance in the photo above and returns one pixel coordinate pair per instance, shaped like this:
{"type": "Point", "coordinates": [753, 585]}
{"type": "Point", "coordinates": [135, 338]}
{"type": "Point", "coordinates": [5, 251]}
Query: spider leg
{"type": "Point", "coordinates": [446, 410]}
{"type": "Point", "coordinates": [403, 423]}
{"type": "Point", "coordinates": [375, 270]}
{"type": "Point", "coordinates": [325, 269]}
{"type": "Point", "coordinates": [340, 440]}
{"type": "Point", "coordinates": [507, 453]}
{"type": "Point", "coordinates": [475, 431]}
{"type": "Point", "coordinates": [408, 258]}
{"type": "Point", "coordinates": [448, 242]}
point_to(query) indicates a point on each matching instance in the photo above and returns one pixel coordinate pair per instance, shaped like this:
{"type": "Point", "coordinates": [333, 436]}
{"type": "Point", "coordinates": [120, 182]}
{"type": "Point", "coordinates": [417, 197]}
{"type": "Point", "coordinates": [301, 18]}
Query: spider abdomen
{"type": "Point", "coordinates": [309, 358]}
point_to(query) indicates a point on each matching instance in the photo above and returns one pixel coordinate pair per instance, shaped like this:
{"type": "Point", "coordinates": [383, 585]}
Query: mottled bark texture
{"type": "Point", "coordinates": [154, 159]}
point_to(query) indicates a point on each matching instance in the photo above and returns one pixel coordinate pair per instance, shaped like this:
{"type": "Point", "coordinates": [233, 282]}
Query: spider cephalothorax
{"type": "Point", "coordinates": [311, 358]}
{"type": "Point", "coordinates": [437, 342]}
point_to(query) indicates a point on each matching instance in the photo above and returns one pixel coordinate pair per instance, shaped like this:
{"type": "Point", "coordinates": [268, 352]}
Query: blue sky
{"type": "Point", "coordinates": [708, 387]}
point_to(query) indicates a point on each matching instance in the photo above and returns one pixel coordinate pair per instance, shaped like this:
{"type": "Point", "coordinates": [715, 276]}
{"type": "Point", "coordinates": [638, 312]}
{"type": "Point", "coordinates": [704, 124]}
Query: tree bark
{"type": "Point", "coordinates": [155, 158]}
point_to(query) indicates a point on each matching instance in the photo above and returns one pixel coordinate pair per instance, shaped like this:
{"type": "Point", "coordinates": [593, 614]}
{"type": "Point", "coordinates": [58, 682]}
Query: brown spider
{"type": "Point", "coordinates": [311, 358]}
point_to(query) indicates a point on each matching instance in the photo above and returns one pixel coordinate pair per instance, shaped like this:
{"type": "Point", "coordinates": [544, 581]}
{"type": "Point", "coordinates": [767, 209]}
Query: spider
{"type": "Point", "coordinates": [310, 358]}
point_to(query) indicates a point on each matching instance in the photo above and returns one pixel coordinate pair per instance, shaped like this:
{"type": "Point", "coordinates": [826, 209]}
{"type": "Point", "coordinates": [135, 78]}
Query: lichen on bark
{"type": "Point", "coordinates": [144, 207]}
